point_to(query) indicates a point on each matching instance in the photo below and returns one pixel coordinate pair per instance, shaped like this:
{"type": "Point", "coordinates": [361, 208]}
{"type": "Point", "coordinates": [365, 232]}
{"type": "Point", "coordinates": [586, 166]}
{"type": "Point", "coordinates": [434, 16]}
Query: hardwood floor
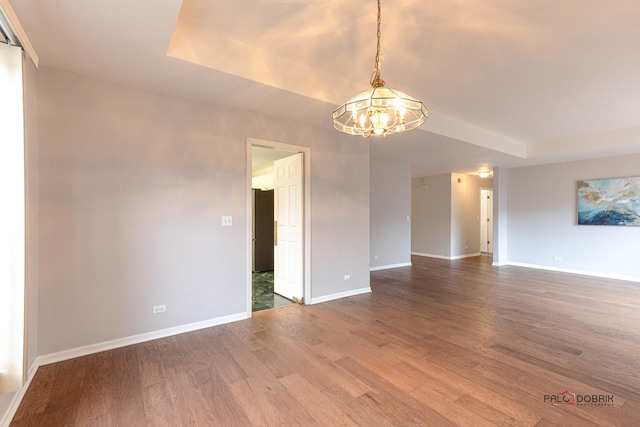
{"type": "Point", "coordinates": [441, 343]}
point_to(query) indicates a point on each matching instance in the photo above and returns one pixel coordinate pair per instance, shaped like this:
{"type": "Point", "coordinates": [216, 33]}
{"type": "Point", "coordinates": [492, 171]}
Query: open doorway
{"type": "Point", "coordinates": [278, 219]}
{"type": "Point", "coordinates": [263, 295]}
{"type": "Point", "coordinates": [486, 220]}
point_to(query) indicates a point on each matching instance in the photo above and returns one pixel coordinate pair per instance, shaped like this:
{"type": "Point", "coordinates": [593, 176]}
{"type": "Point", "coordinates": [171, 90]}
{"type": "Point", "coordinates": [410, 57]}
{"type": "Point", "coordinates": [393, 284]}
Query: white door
{"type": "Point", "coordinates": [486, 220]}
{"type": "Point", "coordinates": [288, 217]}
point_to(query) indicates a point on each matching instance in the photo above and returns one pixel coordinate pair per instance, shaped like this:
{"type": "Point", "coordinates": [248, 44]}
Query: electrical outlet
{"type": "Point", "coordinates": [159, 308]}
{"type": "Point", "coordinates": [347, 277]}
{"type": "Point", "coordinates": [557, 258]}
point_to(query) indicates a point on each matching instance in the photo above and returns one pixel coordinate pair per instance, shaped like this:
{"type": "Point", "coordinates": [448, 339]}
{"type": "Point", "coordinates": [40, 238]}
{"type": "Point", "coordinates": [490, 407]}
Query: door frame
{"type": "Point", "coordinates": [306, 207]}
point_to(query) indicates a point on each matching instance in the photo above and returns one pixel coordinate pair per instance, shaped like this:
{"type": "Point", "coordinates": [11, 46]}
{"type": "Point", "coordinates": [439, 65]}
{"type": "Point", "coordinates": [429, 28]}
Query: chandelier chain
{"type": "Point", "coordinates": [376, 81]}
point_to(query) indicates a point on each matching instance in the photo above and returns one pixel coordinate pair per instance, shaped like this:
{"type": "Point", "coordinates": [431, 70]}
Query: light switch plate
{"type": "Point", "coordinates": [227, 221]}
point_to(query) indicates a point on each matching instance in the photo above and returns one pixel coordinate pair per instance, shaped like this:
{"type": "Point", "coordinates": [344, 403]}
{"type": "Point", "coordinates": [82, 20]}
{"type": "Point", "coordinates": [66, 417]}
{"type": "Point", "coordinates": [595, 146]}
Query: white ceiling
{"type": "Point", "coordinates": [507, 83]}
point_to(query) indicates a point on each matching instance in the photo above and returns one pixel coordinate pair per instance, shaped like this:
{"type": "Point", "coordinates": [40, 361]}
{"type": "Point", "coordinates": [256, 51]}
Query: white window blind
{"type": "Point", "coordinates": [12, 220]}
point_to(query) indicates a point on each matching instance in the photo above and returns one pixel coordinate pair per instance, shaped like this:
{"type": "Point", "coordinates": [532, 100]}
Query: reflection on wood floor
{"type": "Point", "coordinates": [441, 343]}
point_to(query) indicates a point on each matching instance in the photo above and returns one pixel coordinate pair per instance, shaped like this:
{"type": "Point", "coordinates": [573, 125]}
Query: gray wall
{"type": "Point", "coordinates": [390, 207]}
{"type": "Point", "coordinates": [132, 188]}
{"type": "Point", "coordinates": [500, 216]}
{"type": "Point", "coordinates": [542, 219]}
{"type": "Point", "coordinates": [465, 214]}
{"type": "Point", "coordinates": [431, 216]}
{"type": "Point", "coordinates": [446, 215]}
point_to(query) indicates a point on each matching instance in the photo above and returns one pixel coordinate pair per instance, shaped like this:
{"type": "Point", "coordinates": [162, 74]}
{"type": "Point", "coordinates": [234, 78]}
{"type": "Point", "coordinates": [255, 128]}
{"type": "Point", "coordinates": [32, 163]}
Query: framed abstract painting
{"type": "Point", "coordinates": [614, 201]}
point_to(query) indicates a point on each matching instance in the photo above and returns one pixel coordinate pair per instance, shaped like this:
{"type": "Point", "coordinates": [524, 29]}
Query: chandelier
{"type": "Point", "coordinates": [380, 110]}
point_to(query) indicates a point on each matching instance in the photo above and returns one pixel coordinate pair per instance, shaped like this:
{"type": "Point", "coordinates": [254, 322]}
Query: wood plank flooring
{"type": "Point", "coordinates": [441, 343]}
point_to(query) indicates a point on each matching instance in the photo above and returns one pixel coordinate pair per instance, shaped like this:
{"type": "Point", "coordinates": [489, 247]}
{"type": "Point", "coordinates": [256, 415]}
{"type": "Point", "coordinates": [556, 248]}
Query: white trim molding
{"type": "Point", "coordinates": [137, 339]}
{"type": "Point", "coordinates": [446, 257]}
{"type": "Point", "coordinates": [250, 143]}
{"type": "Point", "coordinates": [386, 267]}
{"type": "Point", "coordinates": [17, 398]}
{"type": "Point", "coordinates": [339, 295]}
{"type": "Point", "coordinates": [572, 271]}
{"type": "Point", "coordinates": [16, 27]}
{"type": "Point", "coordinates": [430, 255]}
{"type": "Point", "coordinates": [109, 345]}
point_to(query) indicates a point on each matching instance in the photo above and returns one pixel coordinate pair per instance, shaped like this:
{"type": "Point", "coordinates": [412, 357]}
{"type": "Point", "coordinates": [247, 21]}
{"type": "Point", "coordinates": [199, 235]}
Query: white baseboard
{"type": "Point", "coordinates": [17, 398]}
{"type": "Point", "coordinates": [386, 267]}
{"type": "Point", "coordinates": [136, 339]}
{"type": "Point", "coordinates": [109, 345]}
{"type": "Point", "coordinates": [572, 271]}
{"type": "Point", "coordinates": [430, 255]}
{"type": "Point", "coordinates": [446, 257]}
{"type": "Point", "coordinates": [466, 255]}
{"type": "Point", "coordinates": [340, 295]}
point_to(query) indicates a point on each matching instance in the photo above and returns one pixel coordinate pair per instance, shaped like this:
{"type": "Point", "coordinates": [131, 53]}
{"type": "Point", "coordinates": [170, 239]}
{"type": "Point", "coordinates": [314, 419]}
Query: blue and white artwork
{"type": "Point", "coordinates": [609, 201]}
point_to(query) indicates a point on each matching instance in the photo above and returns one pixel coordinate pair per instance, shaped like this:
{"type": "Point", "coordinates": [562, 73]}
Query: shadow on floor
{"type": "Point", "coordinates": [262, 293]}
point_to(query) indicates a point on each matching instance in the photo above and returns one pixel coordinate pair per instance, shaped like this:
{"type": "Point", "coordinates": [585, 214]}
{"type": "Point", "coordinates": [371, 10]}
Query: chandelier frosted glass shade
{"type": "Point", "coordinates": [379, 111]}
